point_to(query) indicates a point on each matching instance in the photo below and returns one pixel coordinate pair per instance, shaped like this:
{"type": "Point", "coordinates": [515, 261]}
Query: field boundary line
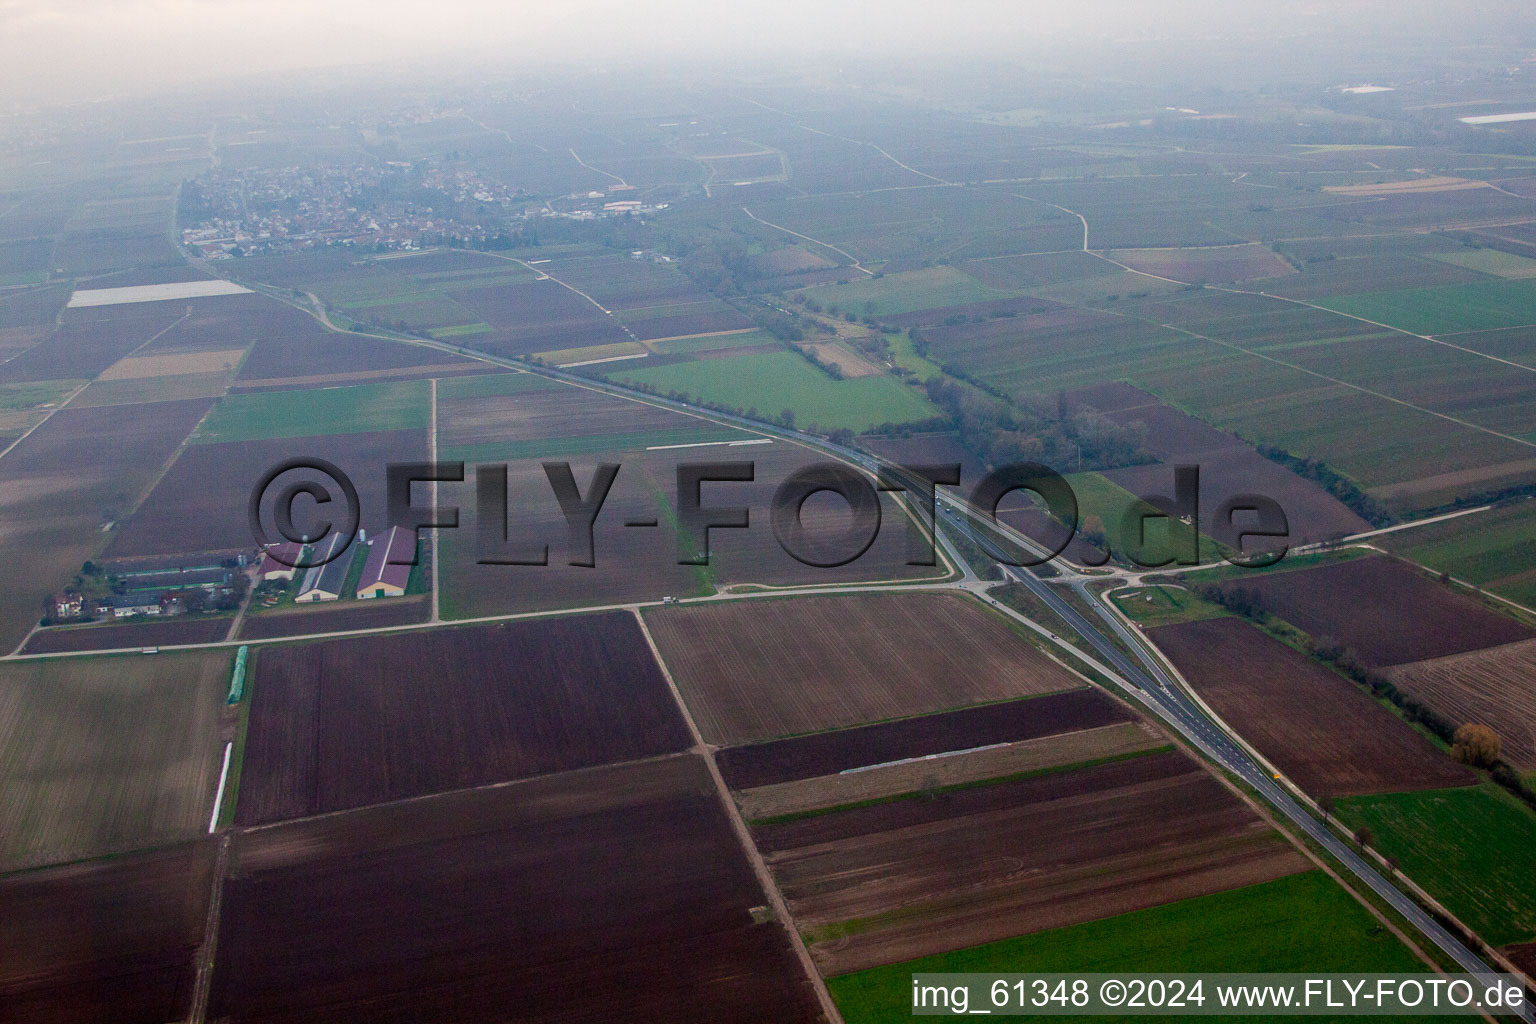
{"type": "Point", "coordinates": [1352, 538]}
{"type": "Point", "coordinates": [1344, 383]}
{"type": "Point", "coordinates": [436, 545]}
{"type": "Point", "coordinates": [1431, 338]}
{"type": "Point", "coordinates": [743, 834]}
{"type": "Point", "coordinates": [598, 170]}
{"type": "Point", "coordinates": [207, 951]}
{"type": "Point", "coordinates": [570, 288]}
{"type": "Point", "coordinates": [815, 241]}
{"type": "Point", "coordinates": [70, 398]}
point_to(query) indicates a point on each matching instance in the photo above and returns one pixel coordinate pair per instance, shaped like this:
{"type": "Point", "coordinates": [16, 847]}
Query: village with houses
{"type": "Point", "coordinates": [399, 206]}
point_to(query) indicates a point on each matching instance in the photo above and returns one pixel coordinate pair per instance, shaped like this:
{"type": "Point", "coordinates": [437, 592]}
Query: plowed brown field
{"type": "Point", "coordinates": [1495, 687]}
{"type": "Point", "coordinates": [1388, 612]}
{"type": "Point", "coordinates": [1328, 736]}
{"type": "Point", "coordinates": [346, 723]}
{"type": "Point", "coordinates": [753, 670]}
{"type": "Point", "coordinates": [619, 894]}
{"type": "Point", "coordinates": [105, 941]}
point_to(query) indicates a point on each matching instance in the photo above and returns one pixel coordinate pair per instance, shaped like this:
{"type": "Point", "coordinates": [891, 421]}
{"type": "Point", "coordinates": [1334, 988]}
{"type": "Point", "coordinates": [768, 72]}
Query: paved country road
{"type": "Point", "coordinates": [1163, 695]}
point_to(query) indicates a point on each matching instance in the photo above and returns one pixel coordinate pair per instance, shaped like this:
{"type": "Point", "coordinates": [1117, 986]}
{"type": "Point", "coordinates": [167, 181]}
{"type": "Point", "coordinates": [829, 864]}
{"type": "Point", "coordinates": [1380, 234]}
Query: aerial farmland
{"type": "Point", "coordinates": [513, 517]}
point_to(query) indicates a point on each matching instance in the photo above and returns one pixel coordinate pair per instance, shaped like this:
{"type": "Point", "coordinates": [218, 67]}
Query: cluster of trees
{"type": "Point", "coordinates": [782, 325]}
{"type": "Point", "coordinates": [1332, 481]}
{"type": "Point", "coordinates": [1002, 431]}
{"type": "Point", "coordinates": [1239, 600]}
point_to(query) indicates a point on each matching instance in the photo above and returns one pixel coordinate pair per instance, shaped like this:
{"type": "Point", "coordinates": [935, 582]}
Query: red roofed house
{"type": "Point", "coordinates": [273, 569]}
{"type": "Point", "coordinates": [382, 577]}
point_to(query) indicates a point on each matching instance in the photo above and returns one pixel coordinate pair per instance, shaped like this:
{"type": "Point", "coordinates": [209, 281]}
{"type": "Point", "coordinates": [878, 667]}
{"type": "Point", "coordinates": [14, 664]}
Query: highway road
{"type": "Point", "coordinates": [1167, 699]}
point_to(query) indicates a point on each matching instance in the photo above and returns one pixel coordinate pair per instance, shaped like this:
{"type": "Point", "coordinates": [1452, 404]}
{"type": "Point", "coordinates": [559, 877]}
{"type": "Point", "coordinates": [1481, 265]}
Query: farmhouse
{"type": "Point", "coordinates": [69, 605]}
{"type": "Point", "coordinates": [324, 582]}
{"type": "Point", "coordinates": [276, 568]}
{"type": "Point", "coordinates": [384, 575]}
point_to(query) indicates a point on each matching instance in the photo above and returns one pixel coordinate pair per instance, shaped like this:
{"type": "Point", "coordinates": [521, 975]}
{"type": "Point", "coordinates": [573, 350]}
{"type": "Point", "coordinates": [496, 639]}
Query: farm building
{"type": "Point", "coordinates": [129, 605]}
{"type": "Point", "coordinates": [324, 582]}
{"type": "Point", "coordinates": [387, 572]}
{"type": "Point", "coordinates": [216, 578]}
{"type": "Point", "coordinates": [276, 568]}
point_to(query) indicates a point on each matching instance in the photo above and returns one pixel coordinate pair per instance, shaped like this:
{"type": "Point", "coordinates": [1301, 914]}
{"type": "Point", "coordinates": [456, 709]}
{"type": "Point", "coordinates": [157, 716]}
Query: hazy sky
{"type": "Point", "coordinates": [72, 48]}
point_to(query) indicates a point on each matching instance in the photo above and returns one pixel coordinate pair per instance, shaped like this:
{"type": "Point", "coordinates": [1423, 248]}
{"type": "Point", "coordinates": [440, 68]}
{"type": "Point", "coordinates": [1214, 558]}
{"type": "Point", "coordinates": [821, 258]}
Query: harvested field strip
{"type": "Point", "coordinates": [103, 755]}
{"type": "Point", "coordinates": [1470, 848]}
{"type": "Point", "coordinates": [826, 753]}
{"type": "Point", "coordinates": [1314, 724]}
{"type": "Point", "coordinates": [1411, 186]}
{"type": "Point", "coordinates": [338, 724]}
{"type": "Point", "coordinates": [890, 882]}
{"type": "Point", "coordinates": [927, 777]}
{"type": "Point", "coordinates": [1387, 612]}
{"type": "Point", "coordinates": [173, 364]}
{"type": "Point", "coordinates": [1303, 922]}
{"type": "Point", "coordinates": [616, 894]}
{"type": "Point", "coordinates": [1494, 687]}
{"type": "Point", "coordinates": [753, 671]}
{"type": "Point", "coordinates": [591, 353]}
{"type": "Point", "coordinates": [339, 616]}
{"type": "Point", "coordinates": [199, 504]}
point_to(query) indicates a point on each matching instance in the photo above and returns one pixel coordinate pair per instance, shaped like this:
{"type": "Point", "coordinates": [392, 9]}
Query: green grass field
{"type": "Point", "coordinates": [714, 342]}
{"type": "Point", "coordinates": [1446, 309]}
{"type": "Point", "coordinates": [1492, 549]}
{"type": "Point", "coordinates": [486, 385]}
{"type": "Point", "coordinates": [904, 354]}
{"type": "Point", "coordinates": [1303, 922]}
{"type": "Point", "coordinates": [1101, 498]}
{"type": "Point", "coordinates": [311, 412]}
{"type": "Point", "coordinates": [30, 395]}
{"type": "Point", "coordinates": [910, 290]}
{"type": "Point", "coordinates": [1164, 606]}
{"type": "Point", "coordinates": [461, 330]}
{"type": "Point", "coordinates": [774, 381]}
{"type": "Point", "coordinates": [1471, 848]}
